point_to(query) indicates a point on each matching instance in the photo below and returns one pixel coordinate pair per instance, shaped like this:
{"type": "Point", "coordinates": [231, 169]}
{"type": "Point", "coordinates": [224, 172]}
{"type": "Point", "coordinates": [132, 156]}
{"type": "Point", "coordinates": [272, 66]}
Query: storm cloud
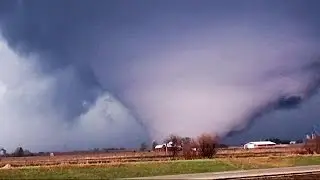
{"type": "Point", "coordinates": [117, 73]}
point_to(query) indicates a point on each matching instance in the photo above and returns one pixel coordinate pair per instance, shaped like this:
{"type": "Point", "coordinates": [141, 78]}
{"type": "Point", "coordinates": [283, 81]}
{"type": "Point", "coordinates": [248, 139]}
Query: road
{"type": "Point", "coordinates": [242, 173]}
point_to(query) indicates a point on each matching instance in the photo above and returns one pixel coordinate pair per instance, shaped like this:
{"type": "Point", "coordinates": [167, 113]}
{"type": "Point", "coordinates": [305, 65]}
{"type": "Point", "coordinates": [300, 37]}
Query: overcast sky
{"type": "Point", "coordinates": [78, 73]}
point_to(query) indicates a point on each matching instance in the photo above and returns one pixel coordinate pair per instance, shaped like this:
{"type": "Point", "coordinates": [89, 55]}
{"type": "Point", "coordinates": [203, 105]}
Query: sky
{"type": "Point", "coordinates": [81, 74]}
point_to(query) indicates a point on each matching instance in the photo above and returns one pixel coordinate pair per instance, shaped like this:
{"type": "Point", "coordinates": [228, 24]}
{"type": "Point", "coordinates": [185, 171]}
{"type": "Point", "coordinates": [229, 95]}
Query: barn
{"type": "Point", "coordinates": [160, 147]}
{"type": "Point", "coordinates": [164, 147]}
{"type": "Point", "coordinates": [258, 144]}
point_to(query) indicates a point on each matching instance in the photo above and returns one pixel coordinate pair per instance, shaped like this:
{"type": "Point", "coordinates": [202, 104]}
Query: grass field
{"type": "Point", "coordinates": [123, 170]}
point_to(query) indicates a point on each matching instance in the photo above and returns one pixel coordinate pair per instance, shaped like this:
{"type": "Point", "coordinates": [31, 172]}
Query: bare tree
{"type": "Point", "coordinates": [19, 152]}
{"type": "Point", "coordinates": [185, 140]}
{"type": "Point", "coordinates": [173, 143]}
{"type": "Point", "coordinates": [3, 151]}
{"type": "Point", "coordinates": [189, 148]}
{"type": "Point", "coordinates": [154, 144]}
{"type": "Point", "coordinates": [207, 145]}
{"type": "Point", "coordinates": [143, 146]}
{"type": "Point", "coordinates": [312, 146]}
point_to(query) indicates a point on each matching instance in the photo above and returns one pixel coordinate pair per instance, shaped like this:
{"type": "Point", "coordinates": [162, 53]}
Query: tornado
{"type": "Point", "coordinates": [80, 74]}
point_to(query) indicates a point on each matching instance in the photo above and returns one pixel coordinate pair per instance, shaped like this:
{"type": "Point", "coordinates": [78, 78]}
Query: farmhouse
{"type": "Point", "coordinates": [165, 146]}
{"type": "Point", "coordinates": [162, 147]}
{"type": "Point", "coordinates": [258, 144]}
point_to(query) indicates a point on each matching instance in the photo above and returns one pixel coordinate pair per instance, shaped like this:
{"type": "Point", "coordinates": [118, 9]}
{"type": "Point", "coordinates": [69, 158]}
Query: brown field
{"type": "Point", "coordinates": [131, 156]}
{"type": "Point", "coordinates": [146, 169]}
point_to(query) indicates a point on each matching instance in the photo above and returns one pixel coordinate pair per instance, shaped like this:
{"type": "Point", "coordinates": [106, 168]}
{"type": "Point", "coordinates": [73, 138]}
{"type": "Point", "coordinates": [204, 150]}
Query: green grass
{"type": "Point", "coordinates": [303, 161]}
{"type": "Point", "coordinates": [117, 171]}
{"type": "Point", "coordinates": [154, 168]}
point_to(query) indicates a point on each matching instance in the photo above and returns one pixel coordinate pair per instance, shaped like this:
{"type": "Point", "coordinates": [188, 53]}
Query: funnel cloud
{"type": "Point", "coordinates": [80, 74]}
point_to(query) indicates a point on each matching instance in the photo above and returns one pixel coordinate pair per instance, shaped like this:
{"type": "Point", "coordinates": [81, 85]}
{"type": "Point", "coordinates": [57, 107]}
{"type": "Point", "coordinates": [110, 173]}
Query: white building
{"type": "Point", "coordinates": [163, 146]}
{"type": "Point", "coordinates": [293, 142]}
{"type": "Point", "coordinates": [166, 146]}
{"type": "Point", "coordinates": [160, 146]}
{"type": "Point", "coordinates": [258, 144]}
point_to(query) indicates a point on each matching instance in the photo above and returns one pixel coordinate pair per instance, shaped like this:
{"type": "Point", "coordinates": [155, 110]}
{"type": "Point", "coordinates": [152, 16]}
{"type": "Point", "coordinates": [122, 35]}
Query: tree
{"type": "Point", "coordinates": [312, 146]}
{"type": "Point", "coordinates": [27, 153]}
{"type": "Point", "coordinates": [189, 148]}
{"type": "Point", "coordinates": [154, 144]}
{"type": "Point", "coordinates": [143, 146]}
{"type": "Point", "coordinates": [175, 144]}
{"type": "Point", "coordinates": [19, 152]}
{"type": "Point", "coordinates": [278, 141]}
{"type": "Point", "coordinates": [207, 145]}
{"type": "Point", "coordinates": [3, 151]}
{"type": "Point", "coordinates": [222, 146]}
{"type": "Point", "coordinates": [96, 149]}
{"type": "Point", "coordinates": [185, 140]}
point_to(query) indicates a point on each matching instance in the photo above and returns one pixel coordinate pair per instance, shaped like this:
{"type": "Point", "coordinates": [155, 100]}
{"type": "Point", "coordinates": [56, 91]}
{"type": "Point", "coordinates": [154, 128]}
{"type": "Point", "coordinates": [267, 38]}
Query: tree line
{"type": "Point", "coordinates": [202, 146]}
{"type": "Point", "coordinates": [19, 152]}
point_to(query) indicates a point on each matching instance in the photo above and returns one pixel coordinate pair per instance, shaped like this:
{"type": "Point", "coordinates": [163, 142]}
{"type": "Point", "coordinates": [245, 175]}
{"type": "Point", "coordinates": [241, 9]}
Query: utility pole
{"type": "Point", "coordinates": [166, 148]}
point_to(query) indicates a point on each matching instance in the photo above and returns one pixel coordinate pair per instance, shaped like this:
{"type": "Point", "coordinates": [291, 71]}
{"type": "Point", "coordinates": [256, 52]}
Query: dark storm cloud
{"type": "Point", "coordinates": [182, 67]}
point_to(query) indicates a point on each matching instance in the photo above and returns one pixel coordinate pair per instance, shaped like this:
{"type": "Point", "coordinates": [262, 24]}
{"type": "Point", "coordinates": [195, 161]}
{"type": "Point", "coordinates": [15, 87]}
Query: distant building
{"type": "Point", "coordinates": [293, 142]}
{"type": "Point", "coordinates": [164, 147]}
{"type": "Point", "coordinates": [258, 144]}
